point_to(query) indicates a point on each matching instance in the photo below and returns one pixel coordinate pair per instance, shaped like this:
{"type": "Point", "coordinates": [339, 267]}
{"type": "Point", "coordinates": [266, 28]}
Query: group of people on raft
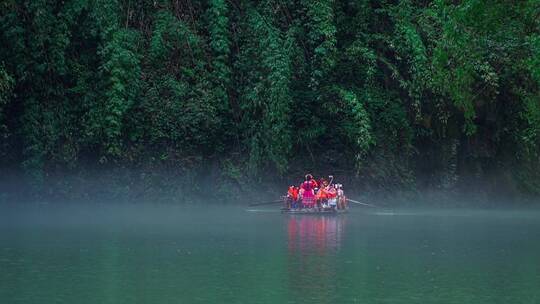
{"type": "Point", "coordinates": [312, 194]}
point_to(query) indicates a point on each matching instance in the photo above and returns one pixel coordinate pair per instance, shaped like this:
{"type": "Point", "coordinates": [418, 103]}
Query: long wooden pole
{"type": "Point", "coordinates": [360, 203]}
{"type": "Point", "coordinates": [266, 203]}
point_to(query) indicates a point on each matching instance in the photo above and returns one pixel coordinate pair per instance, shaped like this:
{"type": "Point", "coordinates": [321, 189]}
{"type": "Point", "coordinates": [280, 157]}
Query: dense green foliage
{"type": "Point", "coordinates": [402, 95]}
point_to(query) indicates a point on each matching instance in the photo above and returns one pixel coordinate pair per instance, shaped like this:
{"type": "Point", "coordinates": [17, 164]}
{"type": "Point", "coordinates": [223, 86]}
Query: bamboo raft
{"type": "Point", "coordinates": [314, 211]}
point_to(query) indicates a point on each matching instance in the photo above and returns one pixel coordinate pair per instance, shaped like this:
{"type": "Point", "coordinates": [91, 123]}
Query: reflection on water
{"type": "Point", "coordinates": [318, 235]}
{"type": "Point", "coordinates": [313, 245]}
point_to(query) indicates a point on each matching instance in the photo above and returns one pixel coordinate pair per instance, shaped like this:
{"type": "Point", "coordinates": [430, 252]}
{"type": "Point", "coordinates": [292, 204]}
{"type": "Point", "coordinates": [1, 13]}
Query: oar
{"type": "Point", "coordinates": [266, 203]}
{"type": "Point", "coordinates": [360, 203]}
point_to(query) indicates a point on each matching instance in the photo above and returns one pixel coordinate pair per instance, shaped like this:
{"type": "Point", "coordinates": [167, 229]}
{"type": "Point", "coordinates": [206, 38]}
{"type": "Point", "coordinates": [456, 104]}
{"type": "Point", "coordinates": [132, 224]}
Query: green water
{"type": "Point", "coordinates": [164, 254]}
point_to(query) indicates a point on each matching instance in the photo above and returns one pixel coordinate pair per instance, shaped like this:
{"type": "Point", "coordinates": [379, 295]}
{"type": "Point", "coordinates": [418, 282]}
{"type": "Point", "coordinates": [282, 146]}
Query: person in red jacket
{"type": "Point", "coordinates": [292, 197]}
{"type": "Point", "coordinates": [307, 189]}
{"type": "Point", "coordinates": [322, 195]}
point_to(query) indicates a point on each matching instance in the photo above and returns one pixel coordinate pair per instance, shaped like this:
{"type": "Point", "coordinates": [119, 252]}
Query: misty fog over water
{"type": "Point", "coordinates": [206, 254]}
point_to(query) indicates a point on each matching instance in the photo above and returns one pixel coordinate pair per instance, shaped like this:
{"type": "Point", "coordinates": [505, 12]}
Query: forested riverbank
{"type": "Point", "coordinates": [178, 98]}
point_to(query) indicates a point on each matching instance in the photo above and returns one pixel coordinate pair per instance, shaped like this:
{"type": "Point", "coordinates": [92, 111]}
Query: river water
{"type": "Point", "coordinates": [171, 254]}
